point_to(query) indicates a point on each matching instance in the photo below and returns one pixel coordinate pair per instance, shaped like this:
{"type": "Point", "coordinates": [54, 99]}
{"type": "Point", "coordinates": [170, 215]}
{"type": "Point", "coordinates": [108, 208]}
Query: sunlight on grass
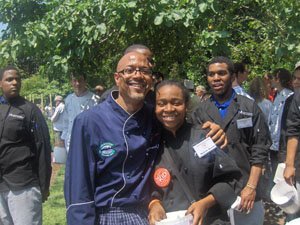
{"type": "Point", "coordinates": [54, 211]}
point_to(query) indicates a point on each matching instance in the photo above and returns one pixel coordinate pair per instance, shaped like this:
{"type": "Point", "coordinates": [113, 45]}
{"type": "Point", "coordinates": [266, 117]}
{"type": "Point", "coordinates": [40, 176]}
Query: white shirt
{"type": "Point", "coordinates": [73, 106]}
{"type": "Point", "coordinates": [265, 106]}
{"type": "Point", "coordinates": [275, 117]}
{"type": "Point", "coordinates": [57, 117]}
{"type": "Point", "coordinates": [240, 91]}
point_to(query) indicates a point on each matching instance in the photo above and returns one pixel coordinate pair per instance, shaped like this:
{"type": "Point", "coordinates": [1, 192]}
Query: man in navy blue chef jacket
{"type": "Point", "coordinates": [113, 147]}
{"type": "Point", "coordinates": [112, 152]}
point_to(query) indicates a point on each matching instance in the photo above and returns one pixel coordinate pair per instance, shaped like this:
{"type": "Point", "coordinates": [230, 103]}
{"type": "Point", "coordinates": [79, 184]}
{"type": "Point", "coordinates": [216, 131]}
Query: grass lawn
{"type": "Point", "coordinates": [54, 211]}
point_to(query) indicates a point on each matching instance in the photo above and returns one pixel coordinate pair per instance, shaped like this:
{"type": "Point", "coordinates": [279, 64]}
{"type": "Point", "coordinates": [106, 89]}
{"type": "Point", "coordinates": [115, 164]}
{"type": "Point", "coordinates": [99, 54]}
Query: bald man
{"type": "Point", "coordinates": [132, 48]}
{"type": "Point", "coordinates": [112, 151]}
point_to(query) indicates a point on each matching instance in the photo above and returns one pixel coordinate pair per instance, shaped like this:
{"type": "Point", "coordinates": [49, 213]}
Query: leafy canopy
{"type": "Point", "coordinates": [51, 38]}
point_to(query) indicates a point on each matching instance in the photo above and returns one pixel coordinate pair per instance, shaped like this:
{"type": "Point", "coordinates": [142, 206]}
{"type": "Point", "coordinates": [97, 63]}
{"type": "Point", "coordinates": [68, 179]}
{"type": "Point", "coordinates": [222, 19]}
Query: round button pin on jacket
{"type": "Point", "coordinates": [162, 177]}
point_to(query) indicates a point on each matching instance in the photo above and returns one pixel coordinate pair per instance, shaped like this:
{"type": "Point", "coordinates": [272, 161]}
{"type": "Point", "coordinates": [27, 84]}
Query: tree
{"type": "Point", "coordinates": [91, 35]}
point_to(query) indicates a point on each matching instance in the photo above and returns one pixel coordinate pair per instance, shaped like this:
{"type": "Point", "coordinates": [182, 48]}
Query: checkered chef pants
{"type": "Point", "coordinates": [123, 216]}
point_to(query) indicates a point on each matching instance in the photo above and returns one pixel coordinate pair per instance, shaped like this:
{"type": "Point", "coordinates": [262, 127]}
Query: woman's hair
{"type": "Point", "coordinates": [185, 92]}
{"type": "Point", "coordinates": [239, 68]}
{"type": "Point", "coordinates": [257, 89]}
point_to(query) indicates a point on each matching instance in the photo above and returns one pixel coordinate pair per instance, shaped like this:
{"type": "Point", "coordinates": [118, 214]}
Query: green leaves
{"type": "Point", "coordinates": [131, 4]}
{"type": "Point", "coordinates": [102, 28]}
{"type": "Point", "coordinates": [202, 7]}
{"type": "Point", "coordinates": [159, 19]}
{"type": "Point", "coordinates": [52, 37]}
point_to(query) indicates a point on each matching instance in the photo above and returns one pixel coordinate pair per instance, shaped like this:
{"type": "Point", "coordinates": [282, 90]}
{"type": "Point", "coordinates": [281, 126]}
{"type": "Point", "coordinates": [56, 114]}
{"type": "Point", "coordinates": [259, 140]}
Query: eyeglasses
{"type": "Point", "coordinates": [131, 70]}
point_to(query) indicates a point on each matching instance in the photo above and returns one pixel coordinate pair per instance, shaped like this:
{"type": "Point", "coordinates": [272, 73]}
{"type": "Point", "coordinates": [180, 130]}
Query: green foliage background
{"type": "Point", "coordinates": [47, 39]}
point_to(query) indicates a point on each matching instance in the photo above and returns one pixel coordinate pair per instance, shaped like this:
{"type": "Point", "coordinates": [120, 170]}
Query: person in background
{"type": "Point", "coordinates": [286, 109]}
{"type": "Point", "coordinates": [291, 172]}
{"type": "Point", "coordinates": [257, 92]}
{"type": "Point", "coordinates": [292, 158]}
{"type": "Point", "coordinates": [241, 74]}
{"type": "Point", "coordinates": [78, 101]}
{"type": "Point", "coordinates": [201, 92]}
{"type": "Point", "coordinates": [194, 100]}
{"type": "Point", "coordinates": [270, 91]}
{"type": "Point", "coordinates": [281, 80]}
{"type": "Point", "coordinates": [157, 77]}
{"type": "Point", "coordinates": [99, 90]}
{"type": "Point", "coordinates": [25, 155]}
{"type": "Point", "coordinates": [57, 120]}
{"type": "Point", "coordinates": [48, 111]}
{"type": "Point", "coordinates": [247, 133]}
{"type": "Point", "coordinates": [210, 187]}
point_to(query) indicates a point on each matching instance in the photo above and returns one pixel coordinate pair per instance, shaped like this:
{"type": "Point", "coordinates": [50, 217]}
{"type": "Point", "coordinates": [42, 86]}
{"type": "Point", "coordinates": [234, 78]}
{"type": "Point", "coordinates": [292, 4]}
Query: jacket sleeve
{"type": "Point", "coordinates": [293, 119]}
{"type": "Point", "coordinates": [57, 113]}
{"type": "Point", "coordinates": [195, 118]}
{"type": "Point", "coordinates": [79, 177]}
{"type": "Point", "coordinates": [41, 135]}
{"type": "Point", "coordinates": [260, 139]}
{"type": "Point", "coordinates": [225, 176]}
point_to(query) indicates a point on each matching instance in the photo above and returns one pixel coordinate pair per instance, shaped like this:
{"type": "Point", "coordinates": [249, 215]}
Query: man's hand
{"type": "Point", "coordinates": [45, 195]}
{"type": "Point", "coordinates": [200, 208]}
{"type": "Point", "coordinates": [289, 171]}
{"type": "Point", "coordinates": [289, 174]}
{"type": "Point", "coordinates": [247, 199]}
{"type": "Point", "coordinates": [156, 213]}
{"type": "Point", "coordinates": [216, 133]}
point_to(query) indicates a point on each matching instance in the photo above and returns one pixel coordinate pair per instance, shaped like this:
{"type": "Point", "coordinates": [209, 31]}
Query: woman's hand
{"type": "Point", "coordinates": [199, 209]}
{"type": "Point", "coordinates": [156, 212]}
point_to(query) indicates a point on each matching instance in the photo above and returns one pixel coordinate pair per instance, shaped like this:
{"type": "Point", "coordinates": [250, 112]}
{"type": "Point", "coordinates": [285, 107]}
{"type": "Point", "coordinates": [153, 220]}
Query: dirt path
{"type": "Point", "coordinates": [273, 214]}
{"type": "Point", "coordinates": [55, 169]}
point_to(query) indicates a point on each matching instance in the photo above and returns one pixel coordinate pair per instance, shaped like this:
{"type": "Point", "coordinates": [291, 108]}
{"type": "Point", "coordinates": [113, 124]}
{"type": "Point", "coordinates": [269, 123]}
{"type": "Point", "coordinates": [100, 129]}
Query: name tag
{"type": "Point", "coordinates": [244, 123]}
{"type": "Point", "coordinates": [204, 147]}
{"type": "Point", "coordinates": [246, 113]}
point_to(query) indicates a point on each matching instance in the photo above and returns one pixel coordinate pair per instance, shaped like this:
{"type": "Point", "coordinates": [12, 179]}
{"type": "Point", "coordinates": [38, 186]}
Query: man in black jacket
{"type": "Point", "coordinates": [290, 137]}
{"type": "Point", "coordinates": [247, 133]}
{"type": "Point", "coordinates": [25, 155]}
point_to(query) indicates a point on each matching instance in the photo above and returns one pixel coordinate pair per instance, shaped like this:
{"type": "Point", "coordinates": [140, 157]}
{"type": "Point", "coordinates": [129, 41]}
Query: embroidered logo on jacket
{"type": "Point", "coordinates": [16, 116]}
{"type": "Point", "coordinates": [107, 149]}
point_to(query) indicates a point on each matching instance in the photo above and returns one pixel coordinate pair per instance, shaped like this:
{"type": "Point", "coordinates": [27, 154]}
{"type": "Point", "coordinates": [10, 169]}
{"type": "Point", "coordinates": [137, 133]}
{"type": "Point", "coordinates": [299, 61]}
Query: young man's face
{"type": "Point", "coordinates": [10, 84]}
{"type": "Point", "coordinates": [296, 80]}
{"type": "Point", "coordinates": [275, 83]}
{"type": "Point", "coordinates": [219, 80]}
{"type": "Point", "coordinates": [79, 85]}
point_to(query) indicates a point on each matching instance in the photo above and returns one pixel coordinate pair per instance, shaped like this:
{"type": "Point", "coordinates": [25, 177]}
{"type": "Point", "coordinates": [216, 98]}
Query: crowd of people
{"type": "Point", "coordinates": [148, 146]}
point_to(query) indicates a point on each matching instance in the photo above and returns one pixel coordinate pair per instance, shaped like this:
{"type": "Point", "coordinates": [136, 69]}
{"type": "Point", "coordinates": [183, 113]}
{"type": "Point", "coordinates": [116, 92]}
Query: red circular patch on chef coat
{"type": "Point", "coordinates": [162, 177]}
